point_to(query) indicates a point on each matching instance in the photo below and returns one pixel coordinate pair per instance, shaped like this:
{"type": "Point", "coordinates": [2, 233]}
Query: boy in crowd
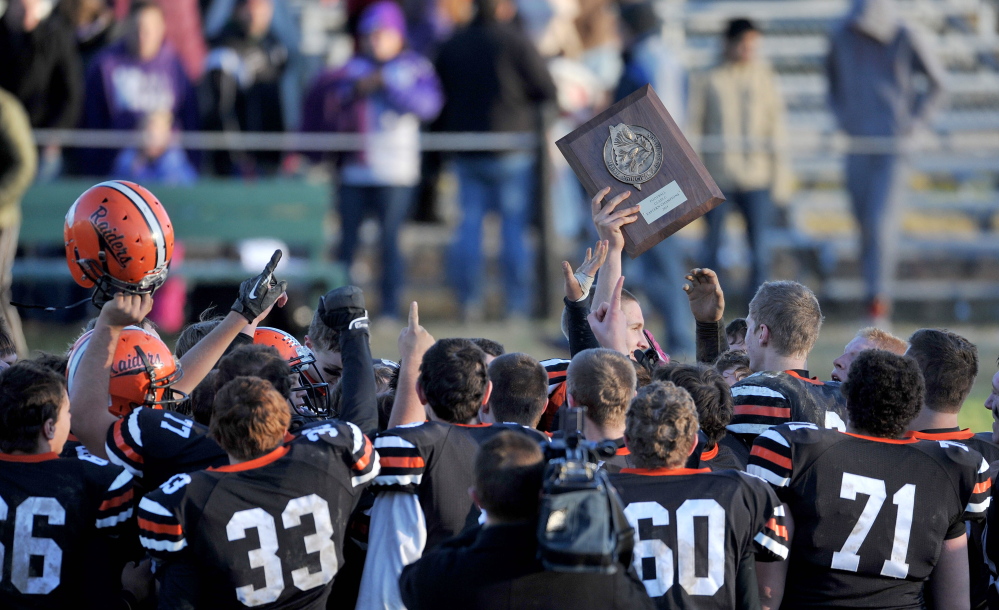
{"type": "Point", "coordinates": [56, 514]}
{"type": "Point", "coordinates": [849, 546]}
{"type": "Point", "coordinates": [202, 520]}
{"type": "Point", "coordinates": [741, 515]}
{"type": "Point", "coordinates": [782, 326]}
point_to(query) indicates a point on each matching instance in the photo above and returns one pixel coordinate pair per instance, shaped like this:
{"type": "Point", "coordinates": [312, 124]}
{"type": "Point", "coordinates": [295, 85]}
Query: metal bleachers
{"type": "Point", "coordinates": [952, 211]}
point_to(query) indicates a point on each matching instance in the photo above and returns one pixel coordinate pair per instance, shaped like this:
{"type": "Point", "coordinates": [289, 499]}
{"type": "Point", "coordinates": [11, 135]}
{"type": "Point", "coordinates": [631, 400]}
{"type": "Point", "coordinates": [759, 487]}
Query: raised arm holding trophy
{"type": "Point", "coordinates": [635, 142]}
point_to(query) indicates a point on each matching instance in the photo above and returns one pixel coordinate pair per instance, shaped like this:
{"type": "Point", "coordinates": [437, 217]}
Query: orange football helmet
{"type": "Point", "coordinates": [118, 238]}
{"type": "Point", "coordinates": [142, 374]}
{"type": "Point", "coordinates": [312, 388]}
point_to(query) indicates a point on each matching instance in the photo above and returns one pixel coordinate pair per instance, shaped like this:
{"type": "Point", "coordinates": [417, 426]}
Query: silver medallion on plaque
{"type": "Point", "coordinates": [632, 154]}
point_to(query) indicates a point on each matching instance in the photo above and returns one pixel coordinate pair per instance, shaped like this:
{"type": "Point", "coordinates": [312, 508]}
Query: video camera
{"type": "Point", "coordinates": [582, 526]}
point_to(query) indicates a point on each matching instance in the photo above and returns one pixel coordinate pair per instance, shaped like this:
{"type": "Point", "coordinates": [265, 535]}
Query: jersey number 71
{"type": "Point", "coordinates": [848, 558]}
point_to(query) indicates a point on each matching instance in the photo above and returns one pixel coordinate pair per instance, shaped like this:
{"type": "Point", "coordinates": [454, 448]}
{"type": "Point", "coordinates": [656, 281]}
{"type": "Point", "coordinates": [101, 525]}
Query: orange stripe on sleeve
{"type": "Point", "coordinates": [781, 412]}
{"type": "Point", "coordinates": [160, 528]}
{"type": "Point", "coordinates": [117, 500]}
{"type": "Point", "coordinates": [119, 440]}
{"type": "Point", "coordinates": [365, 459]}
{"type": "Point", "coordinates": [402, 462]}
{"type": "Point", "coordinates": [771, 456]}
{"type": "Point", "coordinates": [780, 530]}
{"type": "Point", "coordinates": [983, 486]}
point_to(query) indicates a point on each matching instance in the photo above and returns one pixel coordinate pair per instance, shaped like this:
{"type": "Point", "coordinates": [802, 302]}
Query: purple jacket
{"type": "Point", "coordinates": [121, 90]}
{"type": "Point", "coordinates": [389, 118]}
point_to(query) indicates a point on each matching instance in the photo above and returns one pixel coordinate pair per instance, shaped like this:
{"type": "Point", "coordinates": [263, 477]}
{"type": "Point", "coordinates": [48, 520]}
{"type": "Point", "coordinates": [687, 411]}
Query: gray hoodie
{"type": "Point", "coordinates": [874, 65]}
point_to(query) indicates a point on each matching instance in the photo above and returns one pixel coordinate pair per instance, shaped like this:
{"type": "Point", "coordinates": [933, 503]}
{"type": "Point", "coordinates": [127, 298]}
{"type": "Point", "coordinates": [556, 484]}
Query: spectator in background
{"type": "Point", "coordinates": [494, 81]}
{"type": "Point", "coordinates": [875, 66]}
{"type": "Point", "coordinates": [245, 69]}
{"type": "Point", "coordinates": [183, 30]}
{"type": "Point", "coordinates": [159, 159]}
{"type": "Point", "coordinates": [40, 66]}
{"type": "Point", "coordinates": [739, 111]}
{"type": "Point", "coordinates": [383, 93]}
{"type": "Point", "coordinates": [134, 77]}
{"type": "Point", "coordinates": [95, 26]}
{"type": "Point", "coordinates": [283, 28]}
{"type": "Point", "coordinates": [18, 161]}
{"type": "Point", "coordinates": [649, 60]}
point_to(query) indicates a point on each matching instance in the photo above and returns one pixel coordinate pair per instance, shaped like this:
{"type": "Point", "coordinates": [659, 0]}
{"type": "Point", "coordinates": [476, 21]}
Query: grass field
{"type": "Point", "coordinates": [543, 340]}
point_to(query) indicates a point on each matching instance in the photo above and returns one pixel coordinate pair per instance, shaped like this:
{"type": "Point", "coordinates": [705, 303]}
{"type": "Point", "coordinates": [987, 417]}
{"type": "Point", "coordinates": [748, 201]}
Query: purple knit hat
{"type": "Point", "coordinates": [383, 15]}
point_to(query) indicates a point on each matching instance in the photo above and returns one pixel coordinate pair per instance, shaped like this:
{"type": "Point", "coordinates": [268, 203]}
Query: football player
{"type": "Point", "coordinates": [427, 463]}
{"type": "Point", "coordinates": [155, 444]}
{"type": "Point", "coordinates": [520, 392]}
{"type": "Point", "coordinates": [875, 514]}
{"type": "Point", "coordinates": [603, 381]}
{"type": "Point", "coordinates": [713, 401]}
{"type": "Point", "coordinates": [949, 364]}
{"type": "Point", "coordinates": [105, 355]}
{"type": "Point", "coordinates": [782, 326]}
{"type": "Point", "coordinates": [681, 564]}
{"type": "Point", "coordinates": [866, 338]}
{"type": "Point", "coordinates": [267, 529]}
{"type": "Point", "coordinates": [56, 514]}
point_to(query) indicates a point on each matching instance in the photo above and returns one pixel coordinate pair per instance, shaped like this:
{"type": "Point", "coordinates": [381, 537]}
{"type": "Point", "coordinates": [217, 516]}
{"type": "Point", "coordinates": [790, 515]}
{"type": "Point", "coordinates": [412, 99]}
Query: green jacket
{"type": "Point", "coordinates": [18, 158]}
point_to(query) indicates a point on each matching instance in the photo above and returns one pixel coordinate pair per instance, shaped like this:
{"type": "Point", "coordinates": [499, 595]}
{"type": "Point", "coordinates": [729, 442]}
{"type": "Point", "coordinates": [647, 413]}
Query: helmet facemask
{"type": "Point", "coordinates": [170, 399]}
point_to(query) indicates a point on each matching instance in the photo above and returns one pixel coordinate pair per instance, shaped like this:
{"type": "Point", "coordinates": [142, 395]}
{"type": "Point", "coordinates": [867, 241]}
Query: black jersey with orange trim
{"type": "Point", "coordinates": [692, 529]}
{"type": "Point", "coordinates": [870, 514]}
{"type": "Point", "coordinates": [435, 461]}
{"type": "Point", "coordinates": [154, 445]}
{"type": "Point", "coordinates": [55, 514]}
{"type": "Point", "coordinates": [980, 577]}
{"type": "Point", "coordinates": [720, 457]}
{"type": "Point", "coordinates": [266, 533]}
{"type": "Point", "coordinates": [767, 399]}
{"type": "Point", "coordinates": [556, 369]}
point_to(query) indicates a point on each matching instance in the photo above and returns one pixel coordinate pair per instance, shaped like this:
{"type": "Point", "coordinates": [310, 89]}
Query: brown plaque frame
{"type": "Point", "coordinates": [583, 149]}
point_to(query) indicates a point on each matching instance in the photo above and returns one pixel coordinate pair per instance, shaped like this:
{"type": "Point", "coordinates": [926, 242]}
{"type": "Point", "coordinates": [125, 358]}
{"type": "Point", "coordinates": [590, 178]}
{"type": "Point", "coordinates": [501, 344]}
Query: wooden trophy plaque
{"type": "Point", "coordinates": [636, 145]}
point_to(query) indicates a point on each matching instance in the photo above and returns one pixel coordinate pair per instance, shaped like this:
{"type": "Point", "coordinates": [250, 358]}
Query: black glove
{"type": "Point", "coordinates": [343, 308]}
{"type": "Point", "coordinates": [258, 293]}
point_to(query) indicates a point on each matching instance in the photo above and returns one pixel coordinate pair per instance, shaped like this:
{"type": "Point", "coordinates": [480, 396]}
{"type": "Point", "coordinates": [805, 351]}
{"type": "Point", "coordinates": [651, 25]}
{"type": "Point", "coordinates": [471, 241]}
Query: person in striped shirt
{"type": "Point", "coordinates": [782, 326]}
{"type": "Point", "coordinates": [877, 516]}
{"type": "Point", "coordinates": [59, 517]}
{"type": "Point", "coordinates": [697, 532]}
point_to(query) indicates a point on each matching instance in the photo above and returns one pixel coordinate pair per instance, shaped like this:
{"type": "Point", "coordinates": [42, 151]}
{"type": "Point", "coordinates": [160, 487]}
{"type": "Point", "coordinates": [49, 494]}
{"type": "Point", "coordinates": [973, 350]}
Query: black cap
{"type": "Point", "coordinates": [738, 27]}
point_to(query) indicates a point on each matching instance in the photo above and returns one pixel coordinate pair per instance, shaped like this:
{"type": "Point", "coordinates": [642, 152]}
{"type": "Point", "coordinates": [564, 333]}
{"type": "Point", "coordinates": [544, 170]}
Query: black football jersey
{"type": "Point", "coordinates": [720, 457]}
{"type": "Point", "coordinates": [54, 513]}
{"type": "Point", "coordinates": [435, 461]}
{"type": "Point", "coordinates": [870, 514]}
{"type": "Point", "coordinates": [693, 526]}
{"type": "Point", "coordinates": [154, 445]}
{"type": "Point", "coordinates": [980, 577]}
{"type": "Point", "coordinates": [556, 369]}
{"type": "Point", "coordinates": [767, 399]}
{"type": "Point", "coordinates": [265, 533]}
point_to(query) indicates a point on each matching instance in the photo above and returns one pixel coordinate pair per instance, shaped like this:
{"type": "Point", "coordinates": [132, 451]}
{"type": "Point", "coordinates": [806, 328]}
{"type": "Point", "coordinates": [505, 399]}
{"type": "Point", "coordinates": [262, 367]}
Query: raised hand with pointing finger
{"type": "Point", "coordinates": [259, 294]}
{"type": "Point", "coordinates": [414, 340]}
{"type": "Point", "coordinates": [609, 323]}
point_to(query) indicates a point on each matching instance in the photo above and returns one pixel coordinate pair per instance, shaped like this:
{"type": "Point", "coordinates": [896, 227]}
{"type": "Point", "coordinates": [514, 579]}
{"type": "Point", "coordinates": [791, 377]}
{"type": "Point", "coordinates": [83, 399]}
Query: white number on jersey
{"type": "Point", "coordinates": [266, 556]}
{"type": "Point", "coordinates": [834, 421]}
{"type": "Point", "coordinates": [183, 427]}
{"type": "Point", "coordinates": [848, 557]}
{"type": "Point", "coordinates": [26, 546]}
{"type": "Point", "coordinates": [687, 553]}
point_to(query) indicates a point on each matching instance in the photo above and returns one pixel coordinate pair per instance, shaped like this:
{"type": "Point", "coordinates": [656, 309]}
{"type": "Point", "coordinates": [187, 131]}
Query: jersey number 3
{"type": "Point", "coordinates": [266, 556]}
{"type": "Point", "coordinates": [848, 557]}
{"type": "Point", "coordinates": [656, 549]}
